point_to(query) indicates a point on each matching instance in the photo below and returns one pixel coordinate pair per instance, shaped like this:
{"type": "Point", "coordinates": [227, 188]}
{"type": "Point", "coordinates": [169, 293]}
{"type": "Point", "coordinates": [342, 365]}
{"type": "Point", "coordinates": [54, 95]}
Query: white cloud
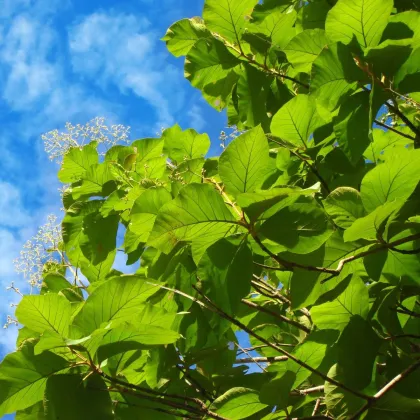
{"type": "Point", "coordinates": [122, 50]}
{"type": "Point", "coordinates": [195, 115]}
{"type": "Point", "coordinates": [12, 213]}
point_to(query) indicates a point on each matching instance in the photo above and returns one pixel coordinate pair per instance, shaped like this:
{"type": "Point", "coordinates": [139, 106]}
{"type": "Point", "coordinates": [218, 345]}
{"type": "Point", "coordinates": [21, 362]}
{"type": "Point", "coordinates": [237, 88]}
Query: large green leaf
{"type": "Point", "coordinates": [334, 75]}
{"type": "Point", "coordinates": [143, 216]}
{"type": "Point", "coordinates": [344, 205]}
{"type": "Point", "coordinates": [275, 23]}
{"type": "Point", "coordinates": [352, 126]}
{"type": "Point", "coordinates": [297, 120]}
{"type": "Point", "coordinates": [89, 239]}
{"type": "Point", "coordinates": [337, 314]}
{"type": "Point", "coordinates": [371, 226]}
{"type": "Point", "coordinates": [77, 161]}
{"type": "Point", "coordinates": [228, 17]}
{"type": "Point", "coordinates": [48, 312]}
{"type": "Point", "coordinates": [23, 377]}
{"type": "Point", "coordinates": [198, 213]}
{"type": "Point", "coordinates": [116, 300]}
{"type": "Point", "coordinates": [68, 397]}
{"type": "Point", "coordinates": [180, 145]}
{"type": "Point", "coordinates": [226, 271]}
{"type": "Point", "coordinates": [304, 48]}
{"type": "Point", "coordinates": [395, 179]}
{"type": "Point", "coordinates": [363, 19]}
{"type": "Point", "coordinates": [385, 143]}
{"type": "Point", "coordinates": [209, 67]}
{"type": "Point", "coordinates": [300, 228]}
{"type": "Point", "coordinates": [245, 164]}
{"type": "Point", "coordinates": [265, 203]}
{"type": "Point", "coordinates": [357, 349]}
{"type": "Point", "coordinates": [94, 181]}
{"type": "Point", "coordinates": [313, 15]}
{"type": "Point", "coordinates": [182, 35]}
{"type": "Point", "coordinates": [238, 403]}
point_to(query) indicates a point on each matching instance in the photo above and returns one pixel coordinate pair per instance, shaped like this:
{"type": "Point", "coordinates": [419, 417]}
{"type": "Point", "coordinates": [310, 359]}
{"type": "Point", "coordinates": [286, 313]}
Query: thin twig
{"type": "Point", "coordinates": [388, 127]}
{"type": "Point", "coordinates": [258, 360]}
{"type": "Point", "coordinates": [276, 315]}
{"type": "Point", "coordinates": [251, 359]}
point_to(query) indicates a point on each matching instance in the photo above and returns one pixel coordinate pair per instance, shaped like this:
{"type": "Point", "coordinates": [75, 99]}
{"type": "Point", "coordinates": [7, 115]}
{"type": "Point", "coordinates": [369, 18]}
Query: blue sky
{"type": "Point", "coordinates": [73, 60]}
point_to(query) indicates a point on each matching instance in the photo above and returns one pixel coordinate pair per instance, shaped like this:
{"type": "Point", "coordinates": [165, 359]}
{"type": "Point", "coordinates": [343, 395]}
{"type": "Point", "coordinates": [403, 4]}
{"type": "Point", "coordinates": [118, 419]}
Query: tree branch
{"type": "Point", "coordinates": [257, 360]}
{"type": "Point", "coordinates": [388, 127]}
{"type": "Point", "coordinates": [391, 384]}
{"type": "Point", "coordinates": [276, 315]}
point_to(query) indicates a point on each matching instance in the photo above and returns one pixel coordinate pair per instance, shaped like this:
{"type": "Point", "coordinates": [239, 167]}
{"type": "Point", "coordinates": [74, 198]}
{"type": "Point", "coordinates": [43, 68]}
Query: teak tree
{"type": "Point", "coordinates": [303, 235]}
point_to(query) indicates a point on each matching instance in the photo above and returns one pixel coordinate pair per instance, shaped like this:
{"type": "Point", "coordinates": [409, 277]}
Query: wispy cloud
{"type": "Point", "coordinates": [121, 49]}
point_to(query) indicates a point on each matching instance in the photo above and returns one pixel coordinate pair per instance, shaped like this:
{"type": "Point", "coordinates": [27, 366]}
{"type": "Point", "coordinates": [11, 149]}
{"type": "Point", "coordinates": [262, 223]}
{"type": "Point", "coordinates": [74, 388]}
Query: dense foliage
{"type": "Point", "coordinates": [303, 236]}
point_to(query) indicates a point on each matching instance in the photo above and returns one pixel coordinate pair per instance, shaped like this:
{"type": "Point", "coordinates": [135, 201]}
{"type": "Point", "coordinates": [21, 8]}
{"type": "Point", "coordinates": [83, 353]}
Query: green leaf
{"type": "Point", "coordinates": [68, 397]}
{"type": "Point", "coordinates": [357, 350]}
{"type": "Point", "coordinates": [238, 403]}
{"type": "Point", "coordinates": [338, 313]}
{"type": "Point", "coordinates": [23, 377]}
{"type": "Point", "coordinates": [209, 67]}
{"type": "Point", "coordinates": [180, 145]}
{"type": "Point", "coordinates": [116, 300]}
{"type": "Point", "coordinates": [143, 216]}
{"type": "Point", "coordinates": [245, 165]}
{"type": "Point", "coordinates": [36, 412]}
{"type": "Point", "coordinates": [251, 91]}
{"type": "Point", "coordinates": [403, 25]}
{"type": "Point", "coordinates": [41, 313]}
{"type": "Point", "coordinates": [304, 48]}
{"type": "Point", "coordinates": [133, 336]}
{"type": "Point", "coordinates": [274, 24]}
{"type": "Point", "coordinates": [363, 19]}
{"type": "Point", "coordinates": [265, 203]}
{"type": "Point", "coordinates": [94, 181]}
{"type": "Point", "coordinates": [77, 161]}
{"type": "Point", "coordinates": [225, 271]}
{"type": "Point", "coordinates": [370, 226]}
{"type": "Point", "coordinates": [291, 375]}
{"type": "Point", "coordinates": [300, 228]}
{"type": "Point", "coordinates": [297, 120]}
{"type": "Point", "coordinates": [97, 244]}
{"type": "Point", "coordinates": [198, 213]}
{"type": "Point", "coordinates": [352, 126]}
{"type": "Point", "coordinates": [394, 406]}
{"type": "Point", "coordinates": [344, 205]}
{"type": "Point", "coordinates": [228, 17]}
{"type": "Point", "coordinates": [335, 75]}
{"type": "Point", "coordinates": [395, 179]}
{"type": "Point", "coordinates": [313, 15]}
{"type": "Point", "coordinates": [385, 143]}
{"type": "Point", "coordinates": [182, 35]}
{"type": "Point", "coordinates": [407, 77]}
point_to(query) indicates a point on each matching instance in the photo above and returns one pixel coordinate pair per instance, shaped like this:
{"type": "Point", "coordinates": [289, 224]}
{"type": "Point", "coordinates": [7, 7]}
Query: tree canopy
{"type": "Point", "coordinates": [302, 238]}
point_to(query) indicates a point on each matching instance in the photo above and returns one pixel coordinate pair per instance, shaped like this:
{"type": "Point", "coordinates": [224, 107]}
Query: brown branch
{"type": "Point", "coordinates": [406, 252]}
{"type": "Point", "coordinates": [395, 337]}
{"type": "Point", "coordinates": [391, 384]}
{"type": "Point", "coordinates": [276, 315]}
{"type": "Point", "coordinates": [262, 346]}
{"type": "Point", "coordinates": [410, 125]}
{"type": "Point", "coordinates": [316, 408]}
{"type": "Point", "coordinates": [388, 127]}
{"type": "Point", "coordinates": [257, 360]}
{"type": "Point", "coordinates": [308, 391]}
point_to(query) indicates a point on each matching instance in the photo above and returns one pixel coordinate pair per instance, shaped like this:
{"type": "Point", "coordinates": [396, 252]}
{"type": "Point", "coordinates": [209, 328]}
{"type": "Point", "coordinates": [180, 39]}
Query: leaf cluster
{"type": "Point", "coordinates": [303, 236]}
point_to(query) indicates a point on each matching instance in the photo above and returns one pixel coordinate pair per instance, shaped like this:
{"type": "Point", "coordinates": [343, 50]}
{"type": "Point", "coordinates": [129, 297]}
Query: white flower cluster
{"type": "Point", "coordinates": [38, 251]}
{"type": "Point", "coordinates": [57, 144]}
{"type": "Point", "coordinates": [225, 138]}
